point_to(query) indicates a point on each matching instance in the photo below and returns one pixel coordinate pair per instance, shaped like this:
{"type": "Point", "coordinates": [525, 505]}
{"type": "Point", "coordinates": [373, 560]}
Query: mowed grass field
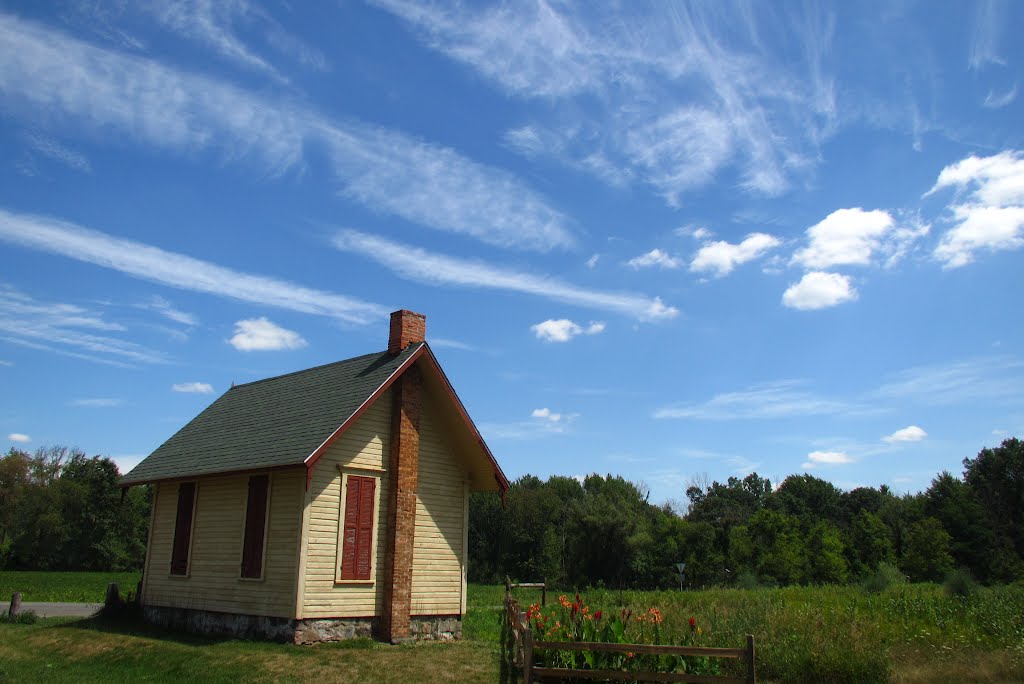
{"type": "Point", "coordinates": [914, 633]}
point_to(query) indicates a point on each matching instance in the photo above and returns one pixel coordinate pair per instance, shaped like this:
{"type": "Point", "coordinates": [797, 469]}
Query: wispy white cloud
{"type": "Point", "coordinates": [911, 433]}
{"type": "Point", "coordinates": [193, 387]}
{"type": "Point", "coordinates": [983, 379]}
{"type": "Point", "coordinates": [52, 149]}
{"type": "Point", "coordinates": [97, 402]}
{"type": "Point", "coordinates": [177, 270]}
{"type": "Point", "coordinates": [261, 334]}
{"type": "Point", "coordinates": [420, 265]}
{"type": "Point", "coordinates": [988, 209]}
{"type": "Point", "coordinates": [212, 23]}
{"type": "Point", "coordinates": [563, 330]}
{"type": "Point", "coordinates": [985, 35]}
{"type": "Point", "coordinates": [19, 437]}
{"type": "Point", "coordinates": [646, 73]}
{"type": "Point", "coordinates": [826, 458]}
{"type": "Point", "coordinates": [437, 187]}
{"type": "Point", "coordinates": [67, 329]}
{"type": "Point", "coordinates": [447, 343]}
{"type": "Point", "coordinates": [6, 363]}
{"type": "Point", "coordinates": [721, 257]}
{"type": "Point", "coordinates": [592, 261]}
{"type": "Point", "coordinates": [656, 257]}
{"type": "Point", "coordinates": [168, 310]}
{"type": "Point", "coordinates": [996, 100]}
{"type": "Point", "coordinates": [47, 74]}
{"type": "Point", "coordinates": [768, 401]}
{"type": "Point", "coordinates": [819, 290]}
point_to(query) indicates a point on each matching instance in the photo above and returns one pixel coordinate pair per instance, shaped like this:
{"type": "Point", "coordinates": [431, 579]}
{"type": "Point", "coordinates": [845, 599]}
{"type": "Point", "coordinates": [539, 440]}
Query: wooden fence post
{"type": "Point", "coordinates": [751, 675]}
{"type": "Point", "coordinates": [15, 604]}
{"type": "Point", "coordinates": [544, 593]}
{"type": "Point", "coordinates": [527, 651]}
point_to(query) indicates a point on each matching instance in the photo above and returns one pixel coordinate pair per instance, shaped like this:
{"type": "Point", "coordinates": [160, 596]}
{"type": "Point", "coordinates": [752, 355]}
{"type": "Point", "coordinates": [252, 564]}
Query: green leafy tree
{"type": "Point", "coordinates": [826, 557]}
{"type": "Point", "coordinates": [778, 548]}
{"type": "Point", "coordinates": [869, 543]}
{"type": "Point", "coordinates": [926, 557]}
{"type": "Point", "coordinates": [996, 477]}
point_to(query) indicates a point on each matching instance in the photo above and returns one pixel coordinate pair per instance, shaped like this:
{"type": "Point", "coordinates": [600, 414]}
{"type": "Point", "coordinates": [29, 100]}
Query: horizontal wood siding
{"type": "Point", "coordinates": [364, 445]}
{"type": "Point", "coordinates": [213, 581]}
{"type": "Point", "coordinates": [437, 585]}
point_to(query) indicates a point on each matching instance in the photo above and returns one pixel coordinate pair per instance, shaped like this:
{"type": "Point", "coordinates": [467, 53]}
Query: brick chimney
{"type": "Point", "coordinates": [407, 327]}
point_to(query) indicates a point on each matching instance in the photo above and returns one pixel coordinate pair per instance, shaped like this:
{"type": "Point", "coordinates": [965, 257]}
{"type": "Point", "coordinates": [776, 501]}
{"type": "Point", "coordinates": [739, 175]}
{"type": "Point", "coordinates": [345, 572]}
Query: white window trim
{"type": "Point", "coordinates": [266, 529]}
{"type": "Point", "coordinates": [377, 474]}
{"type": "Point", "coordinates": [191, 529]}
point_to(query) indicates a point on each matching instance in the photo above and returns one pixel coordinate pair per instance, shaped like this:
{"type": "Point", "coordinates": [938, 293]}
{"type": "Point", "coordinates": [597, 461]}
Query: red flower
{"type": "Point", "coordinates": [693, 623]}
{"type": "Point", "coordinates": [597, 615]}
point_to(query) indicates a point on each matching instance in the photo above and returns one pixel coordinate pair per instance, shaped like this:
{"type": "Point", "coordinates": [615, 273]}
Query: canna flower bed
{"type": "Point", "coordinates": [574, 621]}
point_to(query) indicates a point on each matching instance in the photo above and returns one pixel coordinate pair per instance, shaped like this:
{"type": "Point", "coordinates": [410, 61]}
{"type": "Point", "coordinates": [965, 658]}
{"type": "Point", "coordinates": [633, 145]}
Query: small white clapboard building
{"type": "Point", "coordinates": [320, 505]}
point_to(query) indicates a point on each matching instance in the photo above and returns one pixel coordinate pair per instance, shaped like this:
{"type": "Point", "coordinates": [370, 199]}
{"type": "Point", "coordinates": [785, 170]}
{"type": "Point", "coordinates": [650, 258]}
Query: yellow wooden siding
{"type": "Point", "coordinates": [437, 579]}
{"type": "Point", "coordinates": [213, 582]}
{"type": "Point", "coordinates": [364, 445]}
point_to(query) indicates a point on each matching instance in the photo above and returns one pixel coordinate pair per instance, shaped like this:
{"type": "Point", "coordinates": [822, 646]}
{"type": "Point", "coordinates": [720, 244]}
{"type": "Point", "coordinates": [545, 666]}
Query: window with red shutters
{"type": "Point", "coordinates": [183, 528]}
{"type": "Point", "coordinates": [357, 528]}
{"type": "Point", "coordinates": [255, 527]}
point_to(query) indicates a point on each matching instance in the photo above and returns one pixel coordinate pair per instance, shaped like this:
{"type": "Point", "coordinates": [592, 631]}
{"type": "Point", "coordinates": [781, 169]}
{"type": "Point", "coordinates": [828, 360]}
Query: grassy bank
{"type": "Point", "coordinates": [913, 633]}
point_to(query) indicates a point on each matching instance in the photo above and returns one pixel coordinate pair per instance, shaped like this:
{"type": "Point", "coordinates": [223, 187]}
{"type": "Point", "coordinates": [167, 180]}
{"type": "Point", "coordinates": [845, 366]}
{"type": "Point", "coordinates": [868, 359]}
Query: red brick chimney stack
{"type": "Point", "coordinates": [407, 327]}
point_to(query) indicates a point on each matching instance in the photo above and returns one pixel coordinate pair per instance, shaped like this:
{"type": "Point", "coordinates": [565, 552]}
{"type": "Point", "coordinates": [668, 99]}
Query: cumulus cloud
{"type": "Point", "coordinates": [193, 387]}
{"type": "Point", "coordinates": [261, 334]}
{"type": "Point", "coordinates": [18, 437]}
{"type": "Point", "coordinates": [546, 414]}
{"type": "Point", "coordinates": [911, 433]}
{"type": "Point", "coordinates": [819, 290]}
{"type": "Point", "coordinates": [827, 458]}
{"type": "Point", "coordinates": [721, 257]}
{"type": "Point", "coordinates": [563, 330]}
{"type": "Point", "coordinates": [846, 236]}
{"type": "Point", "coordinates": [655, 257]}
{"type": "Point", "coordinates": [988, 208]}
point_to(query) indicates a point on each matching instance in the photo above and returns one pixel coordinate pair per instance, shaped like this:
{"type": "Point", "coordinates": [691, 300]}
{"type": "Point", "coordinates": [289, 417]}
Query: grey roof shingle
{"type": "Point", "coordinates": [270, 423]}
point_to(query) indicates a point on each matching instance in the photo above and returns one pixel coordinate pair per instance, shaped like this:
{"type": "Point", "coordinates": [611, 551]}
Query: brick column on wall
{"type": "Point", "coordinates": [403, 468]}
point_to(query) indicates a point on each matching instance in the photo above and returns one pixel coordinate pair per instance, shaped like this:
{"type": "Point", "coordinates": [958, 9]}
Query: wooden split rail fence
{"type": "Point", "coordinates": [523, 647]}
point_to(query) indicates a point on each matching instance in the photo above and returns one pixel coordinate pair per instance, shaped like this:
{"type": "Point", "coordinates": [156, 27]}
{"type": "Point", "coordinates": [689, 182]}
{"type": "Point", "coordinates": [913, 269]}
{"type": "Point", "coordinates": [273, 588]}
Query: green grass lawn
{"type": "Point", "coordinates": [913, 633]}
{"type": "Point", "coordinates": [64, 587]}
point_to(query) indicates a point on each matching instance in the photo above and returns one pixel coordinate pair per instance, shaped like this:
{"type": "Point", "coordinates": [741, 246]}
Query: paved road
{"type": "Point", "coordinates": [62, 609]}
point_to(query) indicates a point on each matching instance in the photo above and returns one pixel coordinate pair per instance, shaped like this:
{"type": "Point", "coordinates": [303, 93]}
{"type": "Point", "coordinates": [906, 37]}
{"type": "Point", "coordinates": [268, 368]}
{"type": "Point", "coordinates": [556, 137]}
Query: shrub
{"type": "Point", "coordinates": [747, 580]}
{"type": "Point", "coordinates": [960, 582]}
{"type": "Point", "coordinates": [885, 576]}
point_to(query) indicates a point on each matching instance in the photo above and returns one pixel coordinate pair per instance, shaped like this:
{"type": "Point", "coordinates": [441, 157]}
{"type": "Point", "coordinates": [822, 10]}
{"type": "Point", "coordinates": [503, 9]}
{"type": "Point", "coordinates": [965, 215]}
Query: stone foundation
{"type": "Point", "coordinates": [258, 627]}
{"type": "Point", "coordinates": [441, 628]}
{"type": "Point", "coordinates": [310, 631]}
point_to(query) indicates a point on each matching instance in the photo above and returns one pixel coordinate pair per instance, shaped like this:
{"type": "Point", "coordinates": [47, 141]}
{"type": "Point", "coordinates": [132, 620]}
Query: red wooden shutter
{"type": "Point", "coordinates": [183, 528]}
{"type": "Point", "coordinates": [255, 526]}
{"type": "Point", "coordinates": [357, 534]}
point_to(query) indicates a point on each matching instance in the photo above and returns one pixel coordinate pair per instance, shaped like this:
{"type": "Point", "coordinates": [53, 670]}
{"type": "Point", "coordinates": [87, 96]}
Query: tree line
{"type": "Point", "coordinates": [604, 531]}
{"type": "Point", "coordinates": [63, 510]}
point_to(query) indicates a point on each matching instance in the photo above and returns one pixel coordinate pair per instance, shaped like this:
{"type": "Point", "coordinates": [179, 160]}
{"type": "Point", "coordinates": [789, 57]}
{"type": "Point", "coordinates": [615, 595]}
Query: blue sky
{"type": "Point", "coordinates": [663, 240]}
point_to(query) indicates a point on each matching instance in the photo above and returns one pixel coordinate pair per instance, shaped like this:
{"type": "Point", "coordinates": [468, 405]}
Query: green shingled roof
{"type": "Point", "coordinates": [270, 423]}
